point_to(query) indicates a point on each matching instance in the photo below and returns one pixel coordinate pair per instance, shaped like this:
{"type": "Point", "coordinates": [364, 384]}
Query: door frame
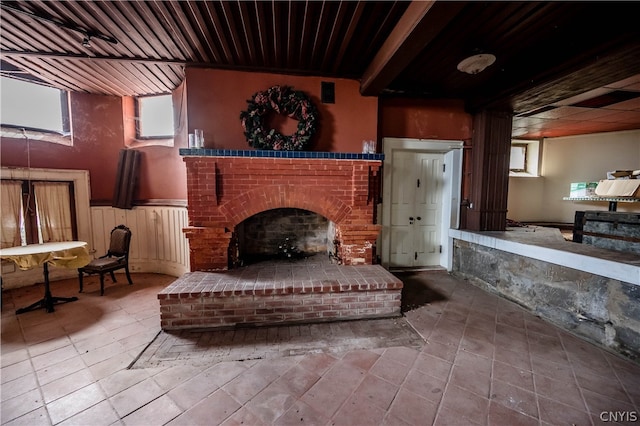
{"type": "Point", "coordinates": [451, 189]}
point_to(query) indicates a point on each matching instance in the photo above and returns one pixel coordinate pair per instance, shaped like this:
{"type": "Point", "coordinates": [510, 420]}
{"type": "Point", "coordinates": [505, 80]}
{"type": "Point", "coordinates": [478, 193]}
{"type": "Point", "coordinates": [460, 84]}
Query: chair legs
{"type": "Point", "coordinates": [126, 270]}
{"type": "Point", "coordinates": [102, 274]}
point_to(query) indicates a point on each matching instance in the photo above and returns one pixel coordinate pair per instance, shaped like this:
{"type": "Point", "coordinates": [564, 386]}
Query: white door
{"type": "Point", "coordinates": [416, 209]}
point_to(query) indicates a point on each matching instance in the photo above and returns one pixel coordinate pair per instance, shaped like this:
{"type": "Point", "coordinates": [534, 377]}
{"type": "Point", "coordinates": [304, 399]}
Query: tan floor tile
{"type": "Point", "coordinates": [427, 387]}
{"type": "Point", "coordinates": [434, 367]}
{"type": "Point", "coordinates": [48, 346]}
{"type": "Point", "coordinates": [301, 413]}
{"type": "Point", "coordinates": [469, 407]}
{"type": "Point", "coordinates": [563, 391]}
{"type": "Point", "coordinates": [101, 414]}
{"type": "Point", "coordinates": [467, 377]}
{"type": "Point", "coordinates": [244, 417]}
{"type": "Point", "coordinates": [514, 398]}
{"type": "Point", "coordinates": [332, 390]}
{"type": "Point", "coordinates": [20, 405]}
{"type": "Point", "coordinates": [16, 370]}
{"type": "Point", "coordinates": [390, 370]}
{"type": "Point", "coordinates": [598, 403]}
{"type": "Point", "coordinates": [358, 411]}
{"type": "Point", "coordinates": [18, 386]}
{"type": "Point", "coordinates": [66, 385]}
{"type": "Point", "coordinates": [362, 359]}
{"type": "Point", "coordinates": [271, 403]}
{"type": "Point", "coordinates": [135, 397]}
{"type": "Point", "coordinates": [211, 411]}
{"type": "Point", "coordinates": [54, 357]}
{"type": "Point", "coordinates": [94, 356]}
{"type": "Point", "coordinates": [413, 409]}
{"type": "Point", "coordinates": [75, 402]}
{"type": "Point", "coordinates": [122, 380]}
{"type": "Point", "coordinates": [377, 391]}
{"type": "Point", "coordinates": [157, 412]}
{"type": "Point", "coordinates": [555, 413]}
{"type": "Point", "coordinates": [194, 390]}
{"type": "Point", "coordinates": [390, 386]}
{"type": "Point", "coordinates": [404, 356]}
{"type": "Point", "coordinates": [514, 376]}
{"type": "Point", "coordinates": [518, 360]}
{"type": "Point", "coordinates": [102, 369]}
{"type": "Point", "coordinates": [38, 417]}
{"type": "Point", "coordinates": [499, 415]}
{"type": "Point", "coordinates": [439, 350]}
{"type": "Point", "coordinates": [12, 357]}
{"type": "Point", "coordinates": [297, 380]}
{"type": "Point", "coordinates": [169, 378]}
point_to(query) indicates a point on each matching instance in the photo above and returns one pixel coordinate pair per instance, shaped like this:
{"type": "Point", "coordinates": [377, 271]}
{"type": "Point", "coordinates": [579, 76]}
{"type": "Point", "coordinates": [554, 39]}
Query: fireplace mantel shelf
{"type": "Point", "coordinates": [206, 152]}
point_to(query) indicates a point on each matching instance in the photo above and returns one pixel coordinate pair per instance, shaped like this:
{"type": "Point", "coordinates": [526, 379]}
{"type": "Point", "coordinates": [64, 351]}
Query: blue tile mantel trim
{"type": "Point", "coordinates": [205, 152]}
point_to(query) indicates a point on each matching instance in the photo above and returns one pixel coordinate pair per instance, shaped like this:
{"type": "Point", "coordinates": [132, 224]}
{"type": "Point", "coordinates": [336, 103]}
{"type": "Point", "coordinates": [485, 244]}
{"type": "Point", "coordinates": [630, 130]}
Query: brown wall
{"type": "Point", "coordinates": [424, 119]}
{"type": "Point", "coordinates": [215, 99]}
{"type": "Point", "coordinates": [98, 137]}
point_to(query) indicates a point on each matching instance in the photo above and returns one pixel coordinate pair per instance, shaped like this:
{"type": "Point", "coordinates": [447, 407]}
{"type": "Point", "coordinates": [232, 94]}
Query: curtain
{"type": "Point", "coordinates": [10, 212]}
{"type": "Point", "coordinates": [54, 214]}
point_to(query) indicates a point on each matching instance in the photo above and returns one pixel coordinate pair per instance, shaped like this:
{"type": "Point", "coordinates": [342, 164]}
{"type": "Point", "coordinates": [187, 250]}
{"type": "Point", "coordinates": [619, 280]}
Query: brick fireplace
{"type": "Point", "coordinates": [226, 187]}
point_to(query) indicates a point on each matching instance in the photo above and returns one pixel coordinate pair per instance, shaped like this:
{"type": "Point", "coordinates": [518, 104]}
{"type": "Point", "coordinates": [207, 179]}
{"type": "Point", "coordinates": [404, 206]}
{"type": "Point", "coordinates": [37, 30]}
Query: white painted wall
{"type": "Point", "coordinates": [569, 159]}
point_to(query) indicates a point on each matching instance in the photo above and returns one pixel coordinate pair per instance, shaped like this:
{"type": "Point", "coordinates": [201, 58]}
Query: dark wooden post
{"type": "Point", "coordinates": [491, 148]}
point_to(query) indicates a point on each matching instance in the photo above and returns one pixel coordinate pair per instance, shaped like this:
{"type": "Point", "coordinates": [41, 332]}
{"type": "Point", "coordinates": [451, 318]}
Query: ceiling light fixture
{"type": "Point", "coordinates": [476, 63]}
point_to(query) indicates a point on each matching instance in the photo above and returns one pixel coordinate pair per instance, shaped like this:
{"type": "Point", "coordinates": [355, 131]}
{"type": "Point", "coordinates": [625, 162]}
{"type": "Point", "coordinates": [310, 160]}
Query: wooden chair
{"type": "Point", "coordinates": [116, 258]}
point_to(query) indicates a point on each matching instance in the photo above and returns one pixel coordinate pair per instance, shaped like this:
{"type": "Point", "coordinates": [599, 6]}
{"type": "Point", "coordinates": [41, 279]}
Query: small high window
{"type": "Point", "coordinates": [155, 117]}
{"type": "Point", "coordinates": [34, 107]}
{"type": "Point", "coordinates": [518, 159]}
{"type": "Point", "coordinates": [524, 158]}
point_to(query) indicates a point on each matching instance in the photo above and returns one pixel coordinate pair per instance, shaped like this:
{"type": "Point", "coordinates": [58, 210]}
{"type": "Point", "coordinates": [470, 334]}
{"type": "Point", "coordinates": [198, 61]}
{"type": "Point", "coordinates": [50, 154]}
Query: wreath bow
{"type": "Point", "coordinates": [282, 100]}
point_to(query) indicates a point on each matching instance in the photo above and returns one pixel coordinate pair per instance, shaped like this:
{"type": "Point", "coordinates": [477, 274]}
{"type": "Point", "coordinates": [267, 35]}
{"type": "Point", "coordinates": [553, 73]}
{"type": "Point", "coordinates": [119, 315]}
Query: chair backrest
{"type": "Point", "coordinates": [120, 240]}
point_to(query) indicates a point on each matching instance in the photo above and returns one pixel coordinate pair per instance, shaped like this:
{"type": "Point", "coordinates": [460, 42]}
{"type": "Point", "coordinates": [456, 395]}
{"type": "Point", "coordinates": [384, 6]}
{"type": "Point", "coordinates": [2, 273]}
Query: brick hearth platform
{"type": "Point", "coordinates": [271, 293]}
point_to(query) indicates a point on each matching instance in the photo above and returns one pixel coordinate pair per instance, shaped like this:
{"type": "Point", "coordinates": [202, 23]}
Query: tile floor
{"type": "Point", "coordinates": [484, 361]}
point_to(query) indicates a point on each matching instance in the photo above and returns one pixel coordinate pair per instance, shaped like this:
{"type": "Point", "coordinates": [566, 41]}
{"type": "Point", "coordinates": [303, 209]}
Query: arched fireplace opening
{"type": "Point", "coordinates": [284, 233]}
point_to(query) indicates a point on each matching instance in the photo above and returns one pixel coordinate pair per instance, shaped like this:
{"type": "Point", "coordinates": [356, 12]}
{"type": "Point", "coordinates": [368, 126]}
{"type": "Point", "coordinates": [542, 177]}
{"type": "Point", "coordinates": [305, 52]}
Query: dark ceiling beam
{"type": "Point", "coordinates": [619, 63]}
{"type": "Point", "coordinates": [419, 25]}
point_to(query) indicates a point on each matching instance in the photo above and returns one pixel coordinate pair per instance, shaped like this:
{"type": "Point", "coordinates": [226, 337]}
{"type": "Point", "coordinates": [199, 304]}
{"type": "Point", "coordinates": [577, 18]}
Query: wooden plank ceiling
{"type": "Point", "coordinates": [549, 54]}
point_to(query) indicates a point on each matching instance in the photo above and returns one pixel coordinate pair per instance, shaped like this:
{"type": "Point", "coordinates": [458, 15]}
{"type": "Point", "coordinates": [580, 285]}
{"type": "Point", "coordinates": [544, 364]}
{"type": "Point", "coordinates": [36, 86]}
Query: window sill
{"type": "Point", "coordinates": [32, 135]}
{"type": "Point", "coordinates": [523, 174]}
{"type": "Point", "coordinates": [138, 143]}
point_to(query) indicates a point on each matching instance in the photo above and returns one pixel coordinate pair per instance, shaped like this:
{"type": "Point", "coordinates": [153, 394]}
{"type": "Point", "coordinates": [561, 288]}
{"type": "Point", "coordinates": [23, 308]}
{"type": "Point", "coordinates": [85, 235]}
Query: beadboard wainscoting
{"type": "Point", "coordinates": [157, 243]}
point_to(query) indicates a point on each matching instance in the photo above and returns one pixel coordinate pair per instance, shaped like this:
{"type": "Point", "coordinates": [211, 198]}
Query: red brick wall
{"type": "Point", "coordinates": [224, 191]}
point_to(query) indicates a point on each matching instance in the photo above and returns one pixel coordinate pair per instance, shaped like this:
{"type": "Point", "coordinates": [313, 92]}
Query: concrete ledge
{"type": "Point", "coordinates": [616, 265]}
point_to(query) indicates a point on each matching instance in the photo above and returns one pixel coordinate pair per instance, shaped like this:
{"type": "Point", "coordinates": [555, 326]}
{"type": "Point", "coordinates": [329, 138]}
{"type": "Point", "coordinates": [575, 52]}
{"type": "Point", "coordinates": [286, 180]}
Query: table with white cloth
{"type": "Point", "coordinates": [65, 254]}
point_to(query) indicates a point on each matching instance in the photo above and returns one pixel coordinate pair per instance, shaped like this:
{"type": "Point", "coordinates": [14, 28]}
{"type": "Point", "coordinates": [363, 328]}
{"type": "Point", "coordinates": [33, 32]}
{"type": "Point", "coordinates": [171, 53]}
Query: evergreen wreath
{"type": "Point", "coordinates": [281, 100]}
